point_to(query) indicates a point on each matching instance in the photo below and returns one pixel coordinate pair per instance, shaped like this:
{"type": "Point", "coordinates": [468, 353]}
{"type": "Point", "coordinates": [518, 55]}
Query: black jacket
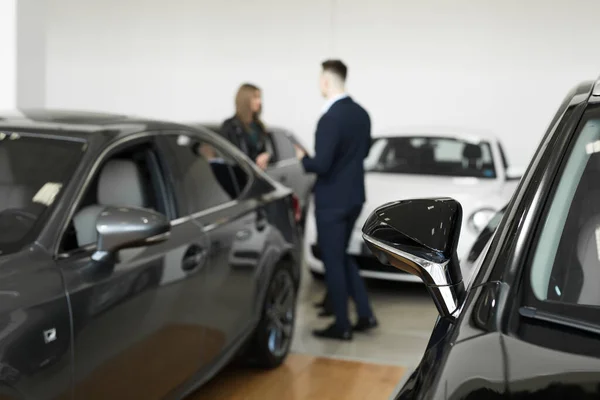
{"type": "Point", "coordinates": [233, 130]}
{"type": "Point", "coordinates": [342, 142]}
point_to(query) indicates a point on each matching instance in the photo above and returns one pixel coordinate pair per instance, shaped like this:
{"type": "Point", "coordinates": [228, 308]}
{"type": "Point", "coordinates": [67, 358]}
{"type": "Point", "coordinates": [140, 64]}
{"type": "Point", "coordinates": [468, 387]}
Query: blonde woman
{"type": "Point", "coordinates": [245, 129]}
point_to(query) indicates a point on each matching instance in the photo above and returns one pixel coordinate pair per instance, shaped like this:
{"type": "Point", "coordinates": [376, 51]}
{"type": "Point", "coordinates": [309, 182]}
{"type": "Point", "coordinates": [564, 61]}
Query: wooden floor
{"type": "Point", "coordinates": [305, 377]}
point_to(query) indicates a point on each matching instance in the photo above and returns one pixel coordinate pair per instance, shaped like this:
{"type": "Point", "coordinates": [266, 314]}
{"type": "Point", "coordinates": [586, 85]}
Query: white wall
{"type": "Point", "coordinates": [500, 65]}
{"type": "Point", "coordinates": [31, 54]}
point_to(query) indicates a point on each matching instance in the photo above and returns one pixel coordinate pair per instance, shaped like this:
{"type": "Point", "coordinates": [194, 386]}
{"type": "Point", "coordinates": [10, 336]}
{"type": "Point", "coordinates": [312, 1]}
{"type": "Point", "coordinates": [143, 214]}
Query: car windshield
{"type": "Point", "coordinates": [422, 155]}
{"type": "Point", "coordinates": [33, 171]}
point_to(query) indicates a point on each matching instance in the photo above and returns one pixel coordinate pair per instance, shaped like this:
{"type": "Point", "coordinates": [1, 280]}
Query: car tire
{"type": "Point", "coordinates": [274, 333]}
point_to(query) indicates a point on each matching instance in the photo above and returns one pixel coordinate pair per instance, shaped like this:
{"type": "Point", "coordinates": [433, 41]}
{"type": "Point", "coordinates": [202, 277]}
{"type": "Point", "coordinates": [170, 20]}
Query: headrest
{"type": "Point", "coordinates": [426, 154]}
{"type": "Point", "coordinates": [6, 175]}
{"type": "Point", "coordinates": [120, 184]}
{"type": "Point", "coordinates": [472, 151]}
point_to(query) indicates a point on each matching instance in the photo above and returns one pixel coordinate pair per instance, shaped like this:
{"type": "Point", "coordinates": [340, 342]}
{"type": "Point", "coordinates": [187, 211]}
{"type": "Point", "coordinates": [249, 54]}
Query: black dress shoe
{"type": "Point", "coordinates": [365, 324]}
{"type": "Point", "coordinates": [333, 332]}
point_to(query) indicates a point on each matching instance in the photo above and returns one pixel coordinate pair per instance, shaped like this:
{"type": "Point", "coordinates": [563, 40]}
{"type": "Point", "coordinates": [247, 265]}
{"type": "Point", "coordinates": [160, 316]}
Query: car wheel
{"type": "Point", "coordinates": [274, 333]}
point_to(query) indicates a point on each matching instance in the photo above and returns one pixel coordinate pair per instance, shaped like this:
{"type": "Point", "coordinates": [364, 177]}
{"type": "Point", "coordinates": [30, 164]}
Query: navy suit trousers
{"type": "Point", "coordinates": [334, 229]}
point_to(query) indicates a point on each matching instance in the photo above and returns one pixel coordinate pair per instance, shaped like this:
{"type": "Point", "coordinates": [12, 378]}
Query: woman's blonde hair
{"type": "Point", "coordinates": [243, 105]}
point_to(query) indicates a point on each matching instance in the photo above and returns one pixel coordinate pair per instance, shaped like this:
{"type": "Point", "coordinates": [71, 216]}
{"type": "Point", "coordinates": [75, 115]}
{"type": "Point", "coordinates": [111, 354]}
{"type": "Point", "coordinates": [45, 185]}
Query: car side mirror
{"type": "Point", "coordinates": [514, 173]}
{"type": "Point", "coordinates": [421, 237]}
{"type": "Point", "coordinates": [126, 227]}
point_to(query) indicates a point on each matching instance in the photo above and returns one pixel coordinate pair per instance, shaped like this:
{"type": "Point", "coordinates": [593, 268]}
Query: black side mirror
{"type": "Point", "coordinates": [125, 227]}
{"type": "Point", "coordinates": [421, 237]}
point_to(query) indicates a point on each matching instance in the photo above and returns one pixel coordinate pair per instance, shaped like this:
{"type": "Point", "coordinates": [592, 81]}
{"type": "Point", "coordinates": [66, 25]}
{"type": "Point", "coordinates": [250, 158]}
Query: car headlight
{"type": "Point", "coordinates": [480, 218]}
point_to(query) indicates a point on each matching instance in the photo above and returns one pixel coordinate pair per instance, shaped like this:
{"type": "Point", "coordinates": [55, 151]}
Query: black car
{"type": "Point", "coordinates": [137, 258]}
{"type": "Point", "coordinates": [283, 165]}
{"type": "Point", "coordinates": [527, 324]}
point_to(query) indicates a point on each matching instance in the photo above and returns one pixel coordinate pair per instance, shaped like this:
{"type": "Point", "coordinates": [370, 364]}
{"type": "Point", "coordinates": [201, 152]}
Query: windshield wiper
{"type": "Point", "coordinates": [534, 313]}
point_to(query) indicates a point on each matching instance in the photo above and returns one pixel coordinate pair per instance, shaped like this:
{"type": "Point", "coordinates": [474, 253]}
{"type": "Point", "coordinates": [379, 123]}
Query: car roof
{"type": "Point", "coordinates": [469, 134]}
{"type": "Point", "coordinates": [71, 123]}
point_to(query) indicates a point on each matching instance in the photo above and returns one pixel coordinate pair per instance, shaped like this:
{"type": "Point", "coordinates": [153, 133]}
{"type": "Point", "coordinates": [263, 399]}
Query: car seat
{"type": "Point", "coordinates": [472, 156]}
{"type": "Point", "coordinates": [120, 184]}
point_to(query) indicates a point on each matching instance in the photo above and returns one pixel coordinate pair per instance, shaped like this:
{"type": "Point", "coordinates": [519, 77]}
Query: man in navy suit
{"type": "Point", "coordinates": [342, 142]}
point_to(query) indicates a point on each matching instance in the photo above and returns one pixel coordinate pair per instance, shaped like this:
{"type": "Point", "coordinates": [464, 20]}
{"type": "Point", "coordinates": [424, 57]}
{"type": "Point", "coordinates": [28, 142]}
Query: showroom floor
{"type": "Point", "coordinates": [369, 367]}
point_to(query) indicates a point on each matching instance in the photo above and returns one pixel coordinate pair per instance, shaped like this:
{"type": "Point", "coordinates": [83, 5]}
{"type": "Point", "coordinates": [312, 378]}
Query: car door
{"type": "Point", "coordinates": [210, 182]}
{"type": "Point", "coordinates": [287, 169]}
{"type": "Point", "coordinates": [136, 334]}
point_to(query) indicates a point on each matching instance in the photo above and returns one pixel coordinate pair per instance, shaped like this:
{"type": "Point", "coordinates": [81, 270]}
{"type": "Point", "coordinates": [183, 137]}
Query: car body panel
{"type": "Point", "coordinates": [35, 333]}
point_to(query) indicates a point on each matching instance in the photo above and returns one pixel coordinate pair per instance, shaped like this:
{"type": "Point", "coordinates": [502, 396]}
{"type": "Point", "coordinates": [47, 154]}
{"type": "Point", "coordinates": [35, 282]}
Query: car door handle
{"type": "Point", "coordinates": [194, 257]}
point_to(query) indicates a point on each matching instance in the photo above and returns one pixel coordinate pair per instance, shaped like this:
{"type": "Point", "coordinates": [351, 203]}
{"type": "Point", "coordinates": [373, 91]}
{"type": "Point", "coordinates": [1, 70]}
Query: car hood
{"type": "Point", "coordinates": [385, 187]}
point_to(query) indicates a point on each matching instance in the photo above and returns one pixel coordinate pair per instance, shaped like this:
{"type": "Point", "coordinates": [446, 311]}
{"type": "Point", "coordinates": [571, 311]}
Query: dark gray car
{"type": "Point", "coordinates": [284, 166]}
{"type": "Point", "coordinates": [137, 258]}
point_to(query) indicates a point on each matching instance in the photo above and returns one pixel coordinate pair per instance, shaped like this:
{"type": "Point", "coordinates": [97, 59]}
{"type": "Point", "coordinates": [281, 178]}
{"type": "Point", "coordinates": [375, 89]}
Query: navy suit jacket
{"type": "Point", "coordinates": [342, 143]}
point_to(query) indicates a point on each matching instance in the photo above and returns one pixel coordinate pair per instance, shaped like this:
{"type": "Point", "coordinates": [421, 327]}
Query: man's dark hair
{"type": "Point", "coordinates": [336, 67]}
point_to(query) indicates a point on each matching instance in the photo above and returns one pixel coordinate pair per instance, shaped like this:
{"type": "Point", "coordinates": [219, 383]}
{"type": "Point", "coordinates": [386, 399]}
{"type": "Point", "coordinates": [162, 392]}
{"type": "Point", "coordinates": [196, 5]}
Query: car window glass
{"type": "Point", "coordinates": [566, 263]}
{"type": "Point", "coordinates": [205, 174]}
{"type": "Point", "coordinates": [34, 169]}
{"type": "Point", "coordinates": [431, 156]}
{"type": "Point", "coordinates": [128, 178]}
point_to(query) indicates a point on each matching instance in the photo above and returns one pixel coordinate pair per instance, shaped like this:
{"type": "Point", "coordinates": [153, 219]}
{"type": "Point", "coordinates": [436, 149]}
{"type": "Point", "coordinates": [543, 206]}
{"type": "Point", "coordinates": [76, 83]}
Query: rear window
{"type": "Point", "coordinates": [33, 172]}
{"type": "Point", "coordinates": [424, 155]}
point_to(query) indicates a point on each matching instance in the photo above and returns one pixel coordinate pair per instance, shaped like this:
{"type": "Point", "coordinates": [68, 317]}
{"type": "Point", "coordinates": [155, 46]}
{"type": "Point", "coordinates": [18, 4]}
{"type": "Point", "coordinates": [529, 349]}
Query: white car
{"type": "Point", "coordinates": [470, 167]}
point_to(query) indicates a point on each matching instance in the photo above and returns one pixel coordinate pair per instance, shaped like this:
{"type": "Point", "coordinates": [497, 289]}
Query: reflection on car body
{"type": "Point", "coordinates": [115, 244]}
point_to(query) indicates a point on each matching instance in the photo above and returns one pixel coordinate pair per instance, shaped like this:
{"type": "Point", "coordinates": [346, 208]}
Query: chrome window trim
{"type": "Point", "coordinates": [200, 214]}
{"type": "Point", "coordinates": [176, 222]}
{"type": "Point", "coordinates": [88, 248]}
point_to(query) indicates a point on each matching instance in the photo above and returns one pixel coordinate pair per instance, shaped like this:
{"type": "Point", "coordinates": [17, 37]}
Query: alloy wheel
{"type": "Point", "coordinates": [280, 312]}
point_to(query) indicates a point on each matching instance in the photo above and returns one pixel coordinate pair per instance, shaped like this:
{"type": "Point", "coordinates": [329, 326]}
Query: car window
{"type": "Point", "coordinates": [129, 177]}
{"type": "Point", "coordinates": [431, 156]}
{"type": "Point", "coordinates": [34, 169]}
{"type": "Point", "coordinates": [284, 146]}
{"type": "Point", "coordinates": [566, 262]}
{"type": "Point", "coordinates": [205, 175]}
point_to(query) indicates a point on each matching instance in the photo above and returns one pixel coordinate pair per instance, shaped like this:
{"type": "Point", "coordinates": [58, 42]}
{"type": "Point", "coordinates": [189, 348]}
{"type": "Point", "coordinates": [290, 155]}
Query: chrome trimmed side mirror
{"type": "Point", "coordinates": [420, 237]}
